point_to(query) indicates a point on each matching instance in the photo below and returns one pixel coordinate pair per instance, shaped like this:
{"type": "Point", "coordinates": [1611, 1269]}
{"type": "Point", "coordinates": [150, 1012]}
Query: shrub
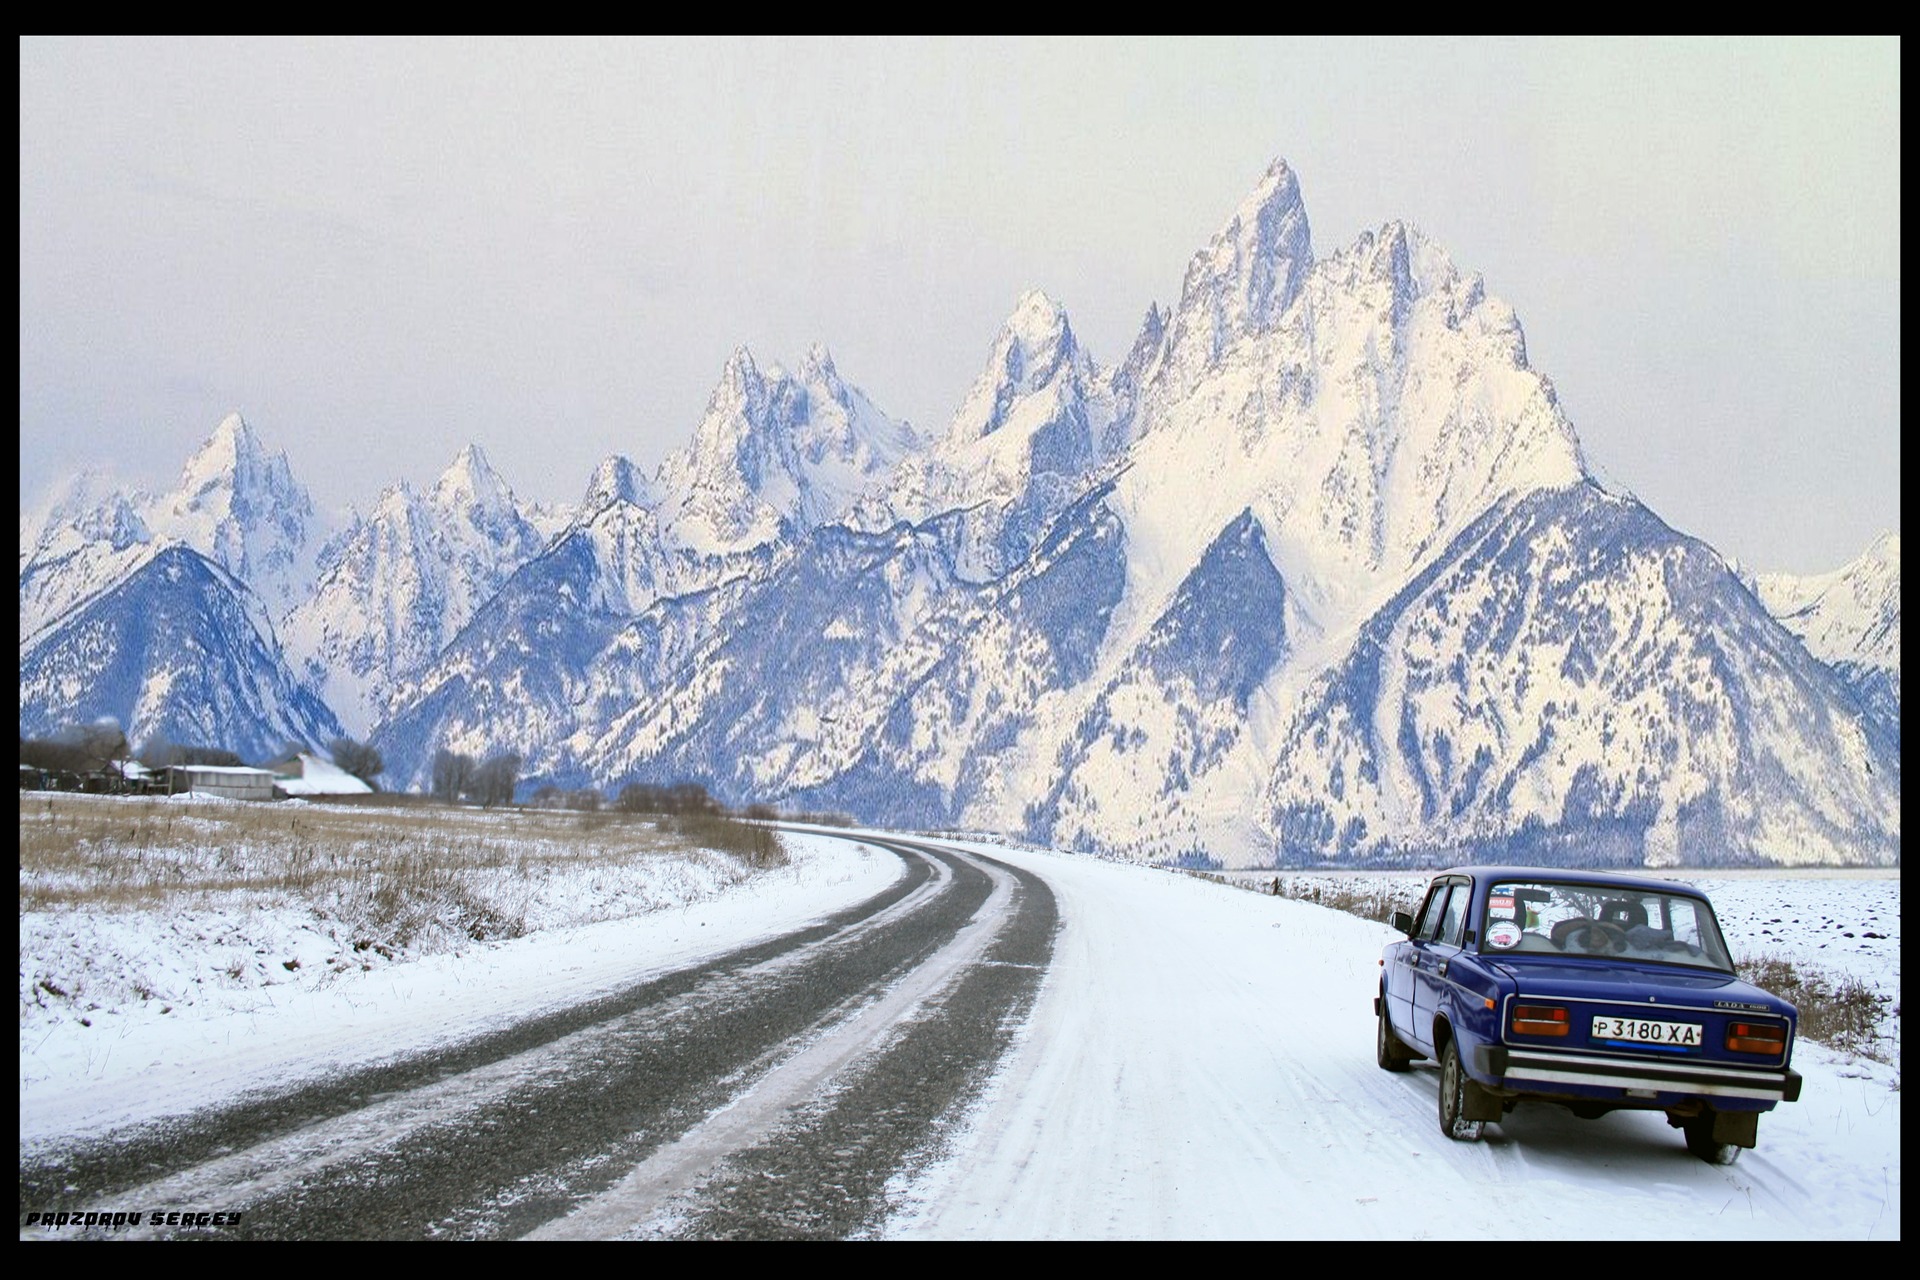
{"type": "Point", "coordinates": [1841, 1012]}
{"type": "Point", "coordinates": [755, 845]}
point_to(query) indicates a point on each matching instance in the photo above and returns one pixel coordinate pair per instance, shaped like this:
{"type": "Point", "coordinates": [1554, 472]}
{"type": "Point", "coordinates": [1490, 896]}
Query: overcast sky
{"type": "Point", "coordinates": [379, 251]}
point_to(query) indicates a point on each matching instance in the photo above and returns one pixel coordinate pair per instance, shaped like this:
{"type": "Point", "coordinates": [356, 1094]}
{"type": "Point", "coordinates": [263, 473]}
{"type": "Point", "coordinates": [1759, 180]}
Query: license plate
{"type": "Point", "coordinates": [1686, 1035]}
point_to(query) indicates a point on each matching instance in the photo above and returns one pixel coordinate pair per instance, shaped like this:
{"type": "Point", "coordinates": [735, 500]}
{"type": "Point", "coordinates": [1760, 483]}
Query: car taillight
{"type": "Point", "coordinates": [1756, 1037]}
{"type": "Point", "coordinates": [1540, 1020]}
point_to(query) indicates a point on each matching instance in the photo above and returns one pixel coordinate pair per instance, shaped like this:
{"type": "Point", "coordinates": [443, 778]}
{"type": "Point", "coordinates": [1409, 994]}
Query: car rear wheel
{"type": "Point", "coordinates": [1453, 1098]}
{"type": "Point", "coordinates": [1388, 1051]}
{"type": "Point", "coordinates": [1699, 1131]}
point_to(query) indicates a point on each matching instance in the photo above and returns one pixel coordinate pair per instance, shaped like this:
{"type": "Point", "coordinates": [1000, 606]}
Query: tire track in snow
{"type": "Point", "coordinates": [811, 1153]}
{"type": "Point", "coordinates": [497, 1135]}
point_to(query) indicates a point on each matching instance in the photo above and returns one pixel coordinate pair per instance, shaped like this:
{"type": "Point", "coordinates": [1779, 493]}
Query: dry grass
{"type": "Point", "coordinates": [1840, 1012]}
{"type": "Point", "coordinates": [1368, 897]}
{"type": "Point", "coordinates": [1370, 900]}
{"type": "Point", "coordinates": [395, 871]}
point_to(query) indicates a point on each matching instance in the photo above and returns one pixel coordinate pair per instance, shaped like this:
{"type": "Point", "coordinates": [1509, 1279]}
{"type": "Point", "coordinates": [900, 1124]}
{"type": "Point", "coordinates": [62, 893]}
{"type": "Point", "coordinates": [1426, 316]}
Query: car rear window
{"type": "Point", "coordinates": [1544, 917]}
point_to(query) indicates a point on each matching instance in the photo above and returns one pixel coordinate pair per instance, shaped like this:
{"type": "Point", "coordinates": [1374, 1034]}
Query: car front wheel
{"type": "Point", "coordinates": [1453, 1099]}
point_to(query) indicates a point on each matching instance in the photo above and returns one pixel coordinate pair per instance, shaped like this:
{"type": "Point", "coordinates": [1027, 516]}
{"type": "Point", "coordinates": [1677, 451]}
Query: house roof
{"type": "Point", "coordinates": [319, 777]}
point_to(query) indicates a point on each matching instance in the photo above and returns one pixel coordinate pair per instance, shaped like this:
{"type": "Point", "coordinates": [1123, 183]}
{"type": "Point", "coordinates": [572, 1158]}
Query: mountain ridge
{"type": "Point", "coordinates": [1318, 567]}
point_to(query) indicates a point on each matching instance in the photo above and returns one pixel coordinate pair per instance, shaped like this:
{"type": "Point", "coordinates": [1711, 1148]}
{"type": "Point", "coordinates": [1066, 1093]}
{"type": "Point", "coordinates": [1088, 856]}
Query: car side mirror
{"type": "Point", "coordinates": [1403, 922]}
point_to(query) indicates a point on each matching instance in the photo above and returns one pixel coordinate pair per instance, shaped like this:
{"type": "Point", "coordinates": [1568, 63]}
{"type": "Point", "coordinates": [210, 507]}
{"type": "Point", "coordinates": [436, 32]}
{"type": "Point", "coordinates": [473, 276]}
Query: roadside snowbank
{"type": "Point", "coordinates": [252, 1021]}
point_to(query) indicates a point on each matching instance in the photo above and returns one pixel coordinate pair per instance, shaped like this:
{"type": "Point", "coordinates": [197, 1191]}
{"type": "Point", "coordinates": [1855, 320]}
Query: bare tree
{"type": "Point", "coordinates": [101, 745]}
{"type": "Point", "coordinates": [358, 759]}
{"type": "Point", "coordinates": [159, 753]}
{"type": "Point", "coordinates": [550, 796]}
{"type": "Point", "coordinates": [52, 755]}
{"type": "Point", "coordinates": [452, 773]}
{"type": "Point", "coordinates": [493, 782]}
{"type": "Point", "coordinates": [681, 797]}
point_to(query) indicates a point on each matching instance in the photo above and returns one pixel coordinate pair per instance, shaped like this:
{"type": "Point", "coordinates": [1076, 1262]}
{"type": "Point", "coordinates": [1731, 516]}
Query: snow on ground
{"type": "Point", "coordinates": [253, 1023]}
{"type": "Point", "coordinates": [1200, 1065]}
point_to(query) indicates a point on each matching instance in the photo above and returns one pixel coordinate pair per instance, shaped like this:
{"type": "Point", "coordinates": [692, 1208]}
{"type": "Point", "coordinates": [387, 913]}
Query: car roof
{"type": "Point", "coordinates": [1578, 875]}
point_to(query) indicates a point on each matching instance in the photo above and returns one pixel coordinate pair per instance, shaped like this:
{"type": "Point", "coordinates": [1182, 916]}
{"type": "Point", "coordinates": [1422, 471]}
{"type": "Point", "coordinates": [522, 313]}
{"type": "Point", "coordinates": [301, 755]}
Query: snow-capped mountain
{"type": "Point", "coordinates": [1573, 677]}
{"type": "Point", "coordinates": [774, 455]}
{"type": "Point", "coordinates": [236, 504]}
{"type": "Point", "coordinates": [1343, 589]}
{"type": "Point", "coordinates": [240, 506]}
{"type": "Point", "coordinates": [1850, 620]}
{"type": "Point", "coordinates": [1243, 284]}
{"type": "Point", "coordinates": [88, 536]}
{"type": "Point", "coordinates": [397, 586]}
{"type": "Point", "coordinates": [374, 601]}
{"type": "Point", "coordinates": [1037, 425]}
{"type": "Point", "coordinates": [1315, 571]}
{"type": "Point", "coordinates": [178, 649]}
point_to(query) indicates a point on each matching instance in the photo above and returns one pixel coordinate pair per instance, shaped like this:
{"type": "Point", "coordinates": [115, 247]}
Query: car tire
{"type": "Point", "coordinates": [1453, 1098]}
{"type": "Point", "coordinates": [1699, 1131]}
{"type": "Point", "coordinates": [1388, 1050]}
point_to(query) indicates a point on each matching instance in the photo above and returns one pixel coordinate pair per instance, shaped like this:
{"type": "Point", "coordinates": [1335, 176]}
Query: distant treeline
{"type": "Point", "coordinates": [679, 799]}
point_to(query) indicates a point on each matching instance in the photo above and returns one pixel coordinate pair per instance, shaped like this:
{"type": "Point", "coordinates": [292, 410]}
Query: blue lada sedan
{"type": "Point", "coordinates": [1599, 992]}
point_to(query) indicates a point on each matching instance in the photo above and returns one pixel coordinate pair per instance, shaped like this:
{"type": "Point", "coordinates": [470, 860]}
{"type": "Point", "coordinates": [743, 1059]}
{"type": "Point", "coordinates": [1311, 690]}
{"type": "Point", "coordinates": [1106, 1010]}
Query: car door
{"type": "Point", "coordinates": [1403, 974]}
{"type": "Point", "coordinates": [1436, 942]}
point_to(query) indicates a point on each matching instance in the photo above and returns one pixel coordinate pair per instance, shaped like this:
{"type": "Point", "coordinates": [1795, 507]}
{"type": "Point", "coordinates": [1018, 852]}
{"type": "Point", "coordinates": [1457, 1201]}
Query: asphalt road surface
{"type": "Point", "coordinates": [770, 1093]}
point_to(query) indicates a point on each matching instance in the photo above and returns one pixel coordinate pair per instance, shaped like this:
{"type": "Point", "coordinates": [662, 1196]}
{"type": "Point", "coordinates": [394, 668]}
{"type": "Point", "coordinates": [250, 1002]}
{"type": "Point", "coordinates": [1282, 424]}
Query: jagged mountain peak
{"type": "Point", "coordinates": [232, 457]}
{"type": "Point", "coordinates": [1850, 616]}
{"type": "Point", "coordinates": [398, 497]}
{"type": "Point", "coordinates": [1248, 275]}
{"type": "Point", "coordinates": [739, 377]}
{"type": "Point", "coordinates": [1401, 256]}
{"type": "Point", "coordinates": [1153, 326]}
{"type": "Point", "coordinates": [1035, 351]}
{"type": "Point", "coordinates": [1273, 213]}
{"type": "Point", "coordinates": [616, 480]}
{"type": "Point", "coordinates": [471, 484]}
{"type": "Point", "coordinates": [87, 506]}
{"type": "Point", "coordinates": [817, 365]}
{"type": "Point", "coordinates": [1152, 339]}
{"type": "Point", "coordinates": [79, 494]}
{"type": "Point", "coordinates": [775, 451]}
{"type": "Point", "coordinates": [240, 504]}
{"type": "Point", "coordinates": [1037, 323]}
{"type": "Point", "coordinates": [234, 475]}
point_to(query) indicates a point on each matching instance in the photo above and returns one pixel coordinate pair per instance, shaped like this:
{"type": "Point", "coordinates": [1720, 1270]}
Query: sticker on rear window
{"type": "Point", "coordinates": [1504, 934]}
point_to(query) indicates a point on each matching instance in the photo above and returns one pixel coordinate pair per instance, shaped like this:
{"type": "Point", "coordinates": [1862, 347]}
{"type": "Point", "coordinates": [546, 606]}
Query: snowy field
{"type": "Point", "coordinates": [1199, 1063]}
{"type": "Point", "coordinates": [163, 1011]}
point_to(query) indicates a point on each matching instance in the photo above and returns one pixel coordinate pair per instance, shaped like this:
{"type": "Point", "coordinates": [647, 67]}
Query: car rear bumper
{"type": "Point", "coordinates": [1529, 1072]}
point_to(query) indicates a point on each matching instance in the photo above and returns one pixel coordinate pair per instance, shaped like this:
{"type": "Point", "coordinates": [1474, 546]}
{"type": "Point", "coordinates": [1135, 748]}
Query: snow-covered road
{"type": "Point", "coordinates": [1200, 1064]}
